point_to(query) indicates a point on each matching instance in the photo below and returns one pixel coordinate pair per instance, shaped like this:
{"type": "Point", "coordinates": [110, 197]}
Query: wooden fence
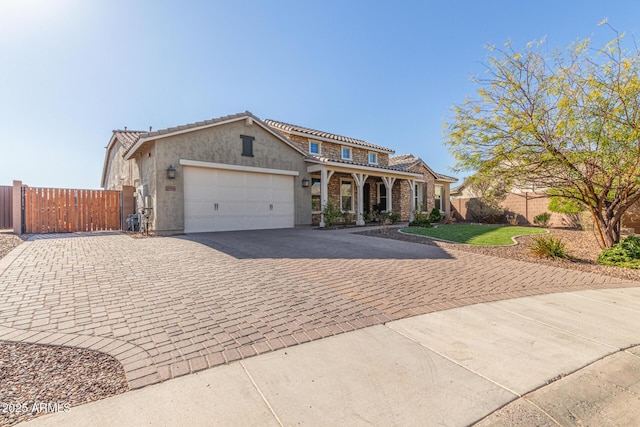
{"type": "Point", "coordinates": [56, 210]}
{"type": "Point", "coordinates": [6, 207]}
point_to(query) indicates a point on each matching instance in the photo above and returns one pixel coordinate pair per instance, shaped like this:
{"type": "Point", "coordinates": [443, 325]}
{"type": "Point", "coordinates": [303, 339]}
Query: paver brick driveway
{"type": "Point", "coordinates": [169, 306]}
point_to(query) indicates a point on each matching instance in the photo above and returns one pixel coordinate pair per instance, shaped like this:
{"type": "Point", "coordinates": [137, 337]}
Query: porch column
{"type": "Point", "coordinates": [388, 183]}
{"type": "Point", "coordinates": [325, 176]}
{"type": "Point", "coordinates": [412, 203]}
{"type": "Point", "coordinates": [360, 178]}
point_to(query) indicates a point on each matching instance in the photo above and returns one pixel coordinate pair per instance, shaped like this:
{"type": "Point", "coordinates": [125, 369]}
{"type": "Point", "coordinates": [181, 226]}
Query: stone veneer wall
{"type": "Point", "coordinates": [334, 150]}
{"type": "Point", "coordinates": [400, 194]}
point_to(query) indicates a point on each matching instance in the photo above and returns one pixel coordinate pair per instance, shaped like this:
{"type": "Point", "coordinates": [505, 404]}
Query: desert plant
{"type": "Point", "coordinates": [420, 220]}
{"type": "Point", "coordinates": [331, 214]}
{"type": "Point", "coordinates": [549, 246]}
{"type": "Point", "coordinates": [624, 254]}
{"type": "Point", "coordinates": [435, 215]}
{"type": "Point", "coordinates": [542, 220]}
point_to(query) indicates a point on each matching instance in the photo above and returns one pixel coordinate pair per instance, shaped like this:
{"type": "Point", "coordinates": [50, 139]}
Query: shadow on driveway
{"type": "Point", "coordinates": [308, 243]}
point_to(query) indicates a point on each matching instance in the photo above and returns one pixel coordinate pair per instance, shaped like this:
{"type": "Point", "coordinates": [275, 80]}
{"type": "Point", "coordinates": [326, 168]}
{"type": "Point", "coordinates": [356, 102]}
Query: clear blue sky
{"type": "Point", "coordinates": [387, 72]}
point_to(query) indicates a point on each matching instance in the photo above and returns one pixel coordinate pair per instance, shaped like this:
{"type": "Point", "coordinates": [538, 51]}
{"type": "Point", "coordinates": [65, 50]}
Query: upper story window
{"type": "Point", "coordinates": [373, 158]}
{"type": "Point", "coordinates": [247, 145]}
{"type": "Point", "coordinates": [314, 147]}
{"type": "Point", "coordinates": [346, 153]}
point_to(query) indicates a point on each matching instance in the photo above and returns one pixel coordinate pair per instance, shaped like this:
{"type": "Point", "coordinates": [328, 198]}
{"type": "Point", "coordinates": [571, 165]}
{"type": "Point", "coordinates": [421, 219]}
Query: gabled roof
{"type": "Point", "coordinates": [407, 161]}
{"type": "Point", "coordinates": [190, 127]}
{"type": "Point", "coordinates": [404, 161]}
{"type": "Point", "coordinates": [300, 130]}
{"type": "Point", "coordinates": [126, 138]}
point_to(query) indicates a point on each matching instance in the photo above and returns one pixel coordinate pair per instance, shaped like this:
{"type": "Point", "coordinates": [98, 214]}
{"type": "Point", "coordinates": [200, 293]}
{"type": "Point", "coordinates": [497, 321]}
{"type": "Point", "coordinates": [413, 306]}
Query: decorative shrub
{"type": "Point", "coordinates": [420, 220]}
{"type": "Point", "coordinates": [542, 220]}
{"type": "Point", "coordinates": [435, 215]}
{"type": "Point", "coordinates": [549, 246]}
{"type": "Point", "coordinates": [331, 214]}
{"type": "Point", "coordinates": [346, 217]}
{"type": "Point", "coordinates": [624, 254]}
{"type": "Point", "coordinates": [393, 217]}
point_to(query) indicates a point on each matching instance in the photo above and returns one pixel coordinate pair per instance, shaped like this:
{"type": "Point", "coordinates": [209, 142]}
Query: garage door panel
{"type": "Point", "coordinates": [223, 200]}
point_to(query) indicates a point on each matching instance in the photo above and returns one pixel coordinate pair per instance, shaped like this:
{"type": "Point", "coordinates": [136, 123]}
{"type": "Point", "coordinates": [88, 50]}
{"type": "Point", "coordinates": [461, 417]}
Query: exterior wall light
{"type": "Point", "coordinates": [171, 172]}
{"type": "Point", "coordinates": [305, 182]}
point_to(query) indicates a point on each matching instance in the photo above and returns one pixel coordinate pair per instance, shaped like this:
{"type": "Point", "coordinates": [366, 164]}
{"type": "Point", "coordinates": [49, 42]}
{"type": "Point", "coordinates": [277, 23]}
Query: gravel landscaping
{"type": "Point", "coordinates": [582, 246]}
{"type": "Point", "coordinates": [39, 379]}
{"type": "Point", "coordinates": [8, 241]}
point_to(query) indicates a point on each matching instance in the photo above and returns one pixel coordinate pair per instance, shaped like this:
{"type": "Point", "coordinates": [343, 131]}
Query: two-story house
{"type": "Point", "coordinates": [239, 173]}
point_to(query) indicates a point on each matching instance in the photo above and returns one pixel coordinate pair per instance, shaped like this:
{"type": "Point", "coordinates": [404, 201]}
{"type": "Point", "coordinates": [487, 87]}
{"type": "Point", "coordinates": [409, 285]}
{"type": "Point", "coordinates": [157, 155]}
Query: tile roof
{"type": "Point", "coordinates": [406, 161]}
{"type": "Point", "coordinates": [403, 161]}
{"type": "Point", "coordinates": [325, 159]}
{"type": "Point", "coordinates": [198, 124]}
{"type": "Point", "coordinates": [446, 177]}
{"type": "Point", "coordinates": [287, 127]}
{"type": "Point", "coordinates": [127, 137]}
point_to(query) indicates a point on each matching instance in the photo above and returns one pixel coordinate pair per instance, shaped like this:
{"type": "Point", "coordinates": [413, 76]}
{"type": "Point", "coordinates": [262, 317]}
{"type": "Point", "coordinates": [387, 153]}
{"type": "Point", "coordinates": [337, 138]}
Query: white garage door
{"type": "Point", "coordinates": [225, 200]}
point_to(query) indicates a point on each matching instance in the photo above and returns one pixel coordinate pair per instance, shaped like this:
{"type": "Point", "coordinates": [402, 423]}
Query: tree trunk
{"type": "Point", "coordinates": [608, 229]}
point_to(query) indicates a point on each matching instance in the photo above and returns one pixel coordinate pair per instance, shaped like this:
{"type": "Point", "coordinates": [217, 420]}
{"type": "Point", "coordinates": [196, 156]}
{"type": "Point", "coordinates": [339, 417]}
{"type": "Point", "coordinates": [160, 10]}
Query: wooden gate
{"type": "Point", "coordinates": [57, 210]}
{"type": "Point", "coordinates": [6, 207]}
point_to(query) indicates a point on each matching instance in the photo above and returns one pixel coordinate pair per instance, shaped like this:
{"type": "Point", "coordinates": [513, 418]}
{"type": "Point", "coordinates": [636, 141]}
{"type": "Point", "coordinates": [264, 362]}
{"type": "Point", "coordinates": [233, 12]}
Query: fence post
{"type": "Point", "coordinates": [17, 208]}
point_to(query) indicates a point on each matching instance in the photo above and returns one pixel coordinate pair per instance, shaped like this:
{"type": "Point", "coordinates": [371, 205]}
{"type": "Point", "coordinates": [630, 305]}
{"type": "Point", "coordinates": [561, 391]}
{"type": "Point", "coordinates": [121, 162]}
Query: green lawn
{"type": "Point", "coordinates": [479, 235]}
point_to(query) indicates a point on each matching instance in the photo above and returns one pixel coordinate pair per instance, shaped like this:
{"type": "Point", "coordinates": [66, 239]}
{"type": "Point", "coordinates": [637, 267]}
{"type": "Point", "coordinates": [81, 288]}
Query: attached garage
{"type": "Point", "coordinates": [221, 197]}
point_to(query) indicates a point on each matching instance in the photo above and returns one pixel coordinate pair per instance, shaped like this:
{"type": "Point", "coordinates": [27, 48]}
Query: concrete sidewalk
{"type": "Point", "coordinates": [452, 367]}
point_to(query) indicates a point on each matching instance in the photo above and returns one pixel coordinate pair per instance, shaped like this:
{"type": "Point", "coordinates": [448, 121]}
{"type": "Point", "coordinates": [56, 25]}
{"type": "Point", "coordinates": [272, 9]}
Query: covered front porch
{"type": "Point", "coordinates": [361, 190]}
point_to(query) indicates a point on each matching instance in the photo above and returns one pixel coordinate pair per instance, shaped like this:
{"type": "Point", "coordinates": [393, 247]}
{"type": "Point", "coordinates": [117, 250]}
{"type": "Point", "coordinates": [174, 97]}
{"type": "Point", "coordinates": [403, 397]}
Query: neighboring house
{"type": "Point", "coordinates": [240, 173]}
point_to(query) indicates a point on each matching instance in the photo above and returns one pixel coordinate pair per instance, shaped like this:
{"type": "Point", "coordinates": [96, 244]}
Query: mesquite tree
{"type": "Point", "coordinates": [566, 121]}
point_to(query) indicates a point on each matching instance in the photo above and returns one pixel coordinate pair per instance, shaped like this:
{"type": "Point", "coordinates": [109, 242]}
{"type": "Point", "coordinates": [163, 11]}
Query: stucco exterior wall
{"type": "Point", "coordinates": [220, 144]}
{"type": "Point", "coordinates": [120, 172]}
{"type": "Point", "coordinates": [146, 162]}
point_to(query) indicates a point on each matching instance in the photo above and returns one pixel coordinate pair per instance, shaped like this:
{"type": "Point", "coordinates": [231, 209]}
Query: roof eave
{"type": "Point", "coordinates": [109, 146]}
{"type": "Point", "coordinates": [242, 116]}
{"type": "Point", "coordinates": [378, 170]}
